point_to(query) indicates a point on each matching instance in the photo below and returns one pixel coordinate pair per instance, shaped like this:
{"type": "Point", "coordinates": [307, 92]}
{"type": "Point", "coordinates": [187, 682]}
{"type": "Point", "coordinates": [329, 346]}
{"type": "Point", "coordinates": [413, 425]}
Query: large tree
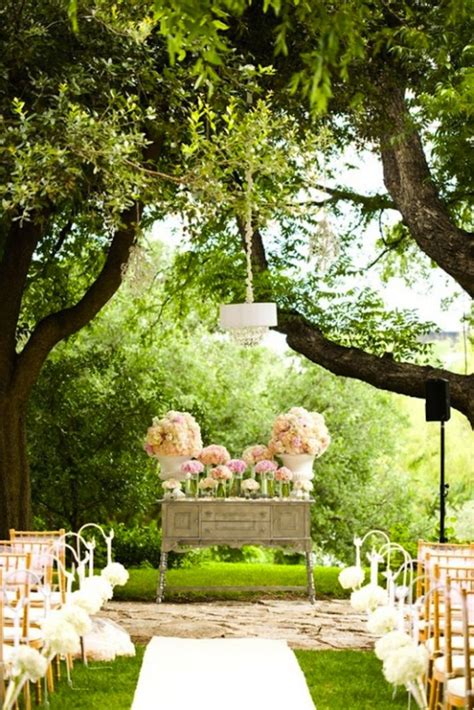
{"type": "Point", "coordinates": [94, 106]}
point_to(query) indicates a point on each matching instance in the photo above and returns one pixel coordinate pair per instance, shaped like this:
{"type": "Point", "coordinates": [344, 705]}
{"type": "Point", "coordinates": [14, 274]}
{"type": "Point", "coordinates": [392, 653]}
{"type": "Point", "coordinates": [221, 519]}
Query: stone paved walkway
{"type": "Point", "coordinates": [326, 624]}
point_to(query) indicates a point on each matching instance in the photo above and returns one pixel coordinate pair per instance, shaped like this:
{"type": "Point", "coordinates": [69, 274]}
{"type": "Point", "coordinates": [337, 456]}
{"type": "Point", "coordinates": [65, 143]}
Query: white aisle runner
{"type": "Point", "coordinates": [220, 674]}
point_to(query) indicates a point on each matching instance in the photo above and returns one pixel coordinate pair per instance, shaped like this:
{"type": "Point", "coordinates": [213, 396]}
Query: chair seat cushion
{"type": "Point", "coordinates": [457, 686]}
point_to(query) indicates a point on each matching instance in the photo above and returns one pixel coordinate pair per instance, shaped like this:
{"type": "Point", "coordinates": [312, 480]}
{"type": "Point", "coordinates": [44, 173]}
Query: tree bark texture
{"type": "Point", "coordinates": [15, 509]}
{"type": "Point", "coordinates": [408, 180]}
{"type": "Point", "coordinates": [20, 371]}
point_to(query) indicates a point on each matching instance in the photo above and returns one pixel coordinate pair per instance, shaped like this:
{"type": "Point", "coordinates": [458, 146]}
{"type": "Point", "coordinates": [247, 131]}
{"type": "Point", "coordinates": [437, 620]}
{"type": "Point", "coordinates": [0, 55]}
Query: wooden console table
{"type": "Point", "coordinates": [201, 523]}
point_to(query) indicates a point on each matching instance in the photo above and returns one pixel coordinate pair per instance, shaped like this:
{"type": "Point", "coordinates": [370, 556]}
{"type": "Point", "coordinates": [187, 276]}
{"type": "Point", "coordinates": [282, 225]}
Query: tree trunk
{"type": "Point", "coordinates": [15, 499]}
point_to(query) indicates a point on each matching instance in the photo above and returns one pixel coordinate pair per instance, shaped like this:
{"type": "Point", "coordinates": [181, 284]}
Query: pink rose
{"type": "Point", "coordinates": [284, 474]}
{"type": "Point", "coordinates": [192, 467]}
{"type": "Point", "coordinates": [265, 466]}
{"type": "Point", "coordinates": [214, 455]}
{"type": "Point", "coordinates": [221, 473]}
{"type": "Point", "coordinates": [237, 465]}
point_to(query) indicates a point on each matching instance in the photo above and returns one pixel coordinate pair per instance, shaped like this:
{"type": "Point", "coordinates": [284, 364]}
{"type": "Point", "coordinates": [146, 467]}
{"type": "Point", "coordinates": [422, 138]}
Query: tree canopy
{"type": "Point", "coordinates": [113, 116]}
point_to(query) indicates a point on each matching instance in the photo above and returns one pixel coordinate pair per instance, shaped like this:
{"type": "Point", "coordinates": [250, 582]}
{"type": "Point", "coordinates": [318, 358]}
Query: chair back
{"type": "Point", "coordinates": [467, 606]}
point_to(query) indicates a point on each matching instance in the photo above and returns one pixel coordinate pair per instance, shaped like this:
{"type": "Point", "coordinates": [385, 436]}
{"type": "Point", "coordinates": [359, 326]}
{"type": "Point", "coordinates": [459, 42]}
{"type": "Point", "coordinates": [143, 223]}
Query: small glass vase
{"type": "Point", "coordinates": [263, 485]}
{"type": "Point", "coordinates": [236, 486]}
{"type": "Point", "coordinates": [195, 485]}
{"type": "Point", "coordinates": [284, 489]}
{"type": "Point", "coordinates": [271, 484]}
{"type": "Point", "coordinates": [221, 490]}
{"type": "Point", "coordinates": [189, 486]}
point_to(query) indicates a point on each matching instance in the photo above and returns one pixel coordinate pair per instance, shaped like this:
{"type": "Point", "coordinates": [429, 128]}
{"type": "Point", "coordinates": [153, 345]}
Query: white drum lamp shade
{"type": "Point", "coordinates": [248, 322]}
{"type": "Point", "coordinates": [248, 315]}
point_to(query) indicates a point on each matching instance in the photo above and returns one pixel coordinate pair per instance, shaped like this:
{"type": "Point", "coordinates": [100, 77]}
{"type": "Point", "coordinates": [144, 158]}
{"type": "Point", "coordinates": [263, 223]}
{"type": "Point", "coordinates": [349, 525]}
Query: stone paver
{"type": "Point", "coordinates": [326, 624]}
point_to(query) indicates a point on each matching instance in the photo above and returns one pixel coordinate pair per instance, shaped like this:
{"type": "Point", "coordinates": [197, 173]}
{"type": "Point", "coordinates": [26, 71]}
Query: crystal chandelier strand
{"type": "Point", "coordinates": [248, 234]}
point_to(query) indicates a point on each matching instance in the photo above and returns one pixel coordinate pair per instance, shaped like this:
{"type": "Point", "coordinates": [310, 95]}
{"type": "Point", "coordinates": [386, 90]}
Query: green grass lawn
{"type": "Point", "coordinates": [337, 680]}
{"type": "Point", "coordinates": [142, 583]}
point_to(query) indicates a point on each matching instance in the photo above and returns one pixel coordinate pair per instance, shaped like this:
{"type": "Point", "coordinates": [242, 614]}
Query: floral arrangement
{"type": "Point", "coordinates": [192, 467]}
{"type": "Point", "coordinates": [351, 577]}
{"type": "Point", "coordinates": [255, 453]}
{"type": "Point", "coordinates": [237, 466]}
{"type": "Point", "coordinates": [221, 473]}
{"type": "Point", "coordinates": [299, 432]}
{"type": "Point", "coordinates": [207, 484]}
{"type": "Point", "coordinates": [173, 488]}
{"type": "Point", "coordinates": [283, 475]}
{"type": "Point", "coordinates": [250, 485]}
{"type": "Point", "coordinates": [265, 466]}
{"type": "Point", "coordinates": [176, 434]}
{"type": "Point", "coordinates": [214, 455]}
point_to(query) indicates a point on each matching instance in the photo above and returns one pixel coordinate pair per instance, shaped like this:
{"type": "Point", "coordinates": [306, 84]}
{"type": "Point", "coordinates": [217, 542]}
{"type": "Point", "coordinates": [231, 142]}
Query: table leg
{"type": "Point", "coordinates": [309, 571]}
{"type": "Point", "coordinates": [161, 583]}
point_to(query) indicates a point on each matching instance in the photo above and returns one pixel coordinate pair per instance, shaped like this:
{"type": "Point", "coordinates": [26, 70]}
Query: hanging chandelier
{"type": "Point", "coordinates": [248, 322]}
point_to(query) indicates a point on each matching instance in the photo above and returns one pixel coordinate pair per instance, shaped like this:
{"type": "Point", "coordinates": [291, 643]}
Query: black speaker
{"type": "Point", "coordinates": [437, 407]}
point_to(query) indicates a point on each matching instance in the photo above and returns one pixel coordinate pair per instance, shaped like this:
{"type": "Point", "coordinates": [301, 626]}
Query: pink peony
{"type": "Point", "coordinates": [265, 466]}
{"type": "Point", "coordinates": [237, 465]}
{"type": "Point", "coordinates": [221, 473]}
{"type": "Point", "coordinates": [257, 452]}
{"type": "Point", "coordinates": [176, 434]}
{"type": "Point", "coordinates": [299, 432]}
{"type": "Point", "coordinates": [192, 467]}
{"type": "Point", "coordinates": [214, 455]}
{"type": "Point", "coordinates": [284, 475]}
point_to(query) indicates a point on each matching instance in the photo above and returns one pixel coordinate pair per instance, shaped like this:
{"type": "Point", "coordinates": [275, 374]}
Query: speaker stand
{"type": "Point", "coordinates": [443, 488]}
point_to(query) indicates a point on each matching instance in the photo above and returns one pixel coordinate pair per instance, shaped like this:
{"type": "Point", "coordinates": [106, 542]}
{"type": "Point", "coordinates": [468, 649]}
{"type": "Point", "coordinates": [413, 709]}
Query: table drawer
{"type": "Point", "coordinates": [181, 521]}
{"type": "Point", "coordinates": [288, 522]}
{"type": "Point", "coordinates": [227, 530]}
{"type": "Point", "coordinates": [223, 512]}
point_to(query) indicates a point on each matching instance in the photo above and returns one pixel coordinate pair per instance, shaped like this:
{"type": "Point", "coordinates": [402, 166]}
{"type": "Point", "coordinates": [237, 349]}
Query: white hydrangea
{"type": "Point", "coordinates": [382, 620]}
{"type": "Point", "coordinates": [90, 601]}
{"type": "Point", "coordinates": [115, 574]}
{"type": "Point", "coordinates": [351, 577]}
{"type": "Point", "coordinates": [79, 619]}
{"type": "Point", "coordinates": [98, 585]}
{"type": "Point", "coordinates": [391, 642]}
{"type": "Point", "coordinates": [368, 598]}
{"type": "Point", "coordinates": [59, 635]}
{"type": "Point", "coordinates": [406, 664]}
{"type": "Point", "coordinates": [28, 663]}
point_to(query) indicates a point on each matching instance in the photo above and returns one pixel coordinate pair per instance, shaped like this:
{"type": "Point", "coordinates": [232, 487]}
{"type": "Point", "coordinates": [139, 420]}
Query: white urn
{"type": "Point", "coordinates": [300, 464]}
{"type": "Point", "coordinates": [170, 467]}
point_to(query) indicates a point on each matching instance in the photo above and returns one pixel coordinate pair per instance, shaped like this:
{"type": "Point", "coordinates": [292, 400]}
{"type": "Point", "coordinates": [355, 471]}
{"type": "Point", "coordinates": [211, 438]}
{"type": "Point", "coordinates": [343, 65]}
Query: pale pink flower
{"type": "Point", "coordinates": [192, 467]}
{"type": "Point", "coordinates": [266, 466]}
{"type": "Point", "coordinates": [284, 474]}
{"type": "Point", "coordinates": [221, 473]}
{"type": "Point", "coordinates": [214, 455]}
{"type": "Point", "coordinates": [250, 484]}
{"type": "Point", "coordinates": [255, 453]}
{"type": "Point", "coordinates": [237, 465]}
{"type": "Point", "coordinates": [299, 432]}
{"type": "Point", "coordinates": [176, 434]}
{"type": "Point", "coordinates": [207, 483]}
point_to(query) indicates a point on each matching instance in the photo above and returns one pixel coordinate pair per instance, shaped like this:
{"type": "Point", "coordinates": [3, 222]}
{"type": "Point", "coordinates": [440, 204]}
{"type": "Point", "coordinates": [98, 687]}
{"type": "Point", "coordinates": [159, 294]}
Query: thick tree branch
{"type": "Point", "coordinates": [369, 203]}
{"type": "Point", "coordinates": [382, 372]}
{"type": "Point", "coordinates": [407, 178]}
{"type": "Point", "coordinates": [18, 251]}
{"type": "Point", "coordinates": [62, 324]}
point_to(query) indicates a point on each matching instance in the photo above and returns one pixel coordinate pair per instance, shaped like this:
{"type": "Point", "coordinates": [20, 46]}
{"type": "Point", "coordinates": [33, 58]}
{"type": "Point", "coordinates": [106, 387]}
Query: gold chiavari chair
{"type": "Point", "coordinates": [460, 691]}
{"type": "Point", "coordinates": [442, 553]}
{"type": "Point", "coordinates": [445, 628]}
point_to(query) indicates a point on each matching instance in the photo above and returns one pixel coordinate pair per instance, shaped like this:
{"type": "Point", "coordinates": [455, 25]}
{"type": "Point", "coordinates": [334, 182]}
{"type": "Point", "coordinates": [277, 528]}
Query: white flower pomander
{"type": "Point", "coordinates": [90, 601]}
{"type": "Point", "coordinates": [406, 664]}
{"type": "Point", "coordinates": [351, 577]}
{"type": "Point", "coordinates": [382, 620]}
{"type": "Point", "coordinates": [390, 643]}
{"type": "Point", "coordinates": [59, 635]}
{"type": "Point", "coordinates": [28, 663]}
{"type": "Point", "coordinates": [115, 574]}
{"type": "Point", "coordinates": [368, 598]}
{"type": "Point", "coordinates": [98, 585]}
{"type": "Point", "coordinates": [79, 619]}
